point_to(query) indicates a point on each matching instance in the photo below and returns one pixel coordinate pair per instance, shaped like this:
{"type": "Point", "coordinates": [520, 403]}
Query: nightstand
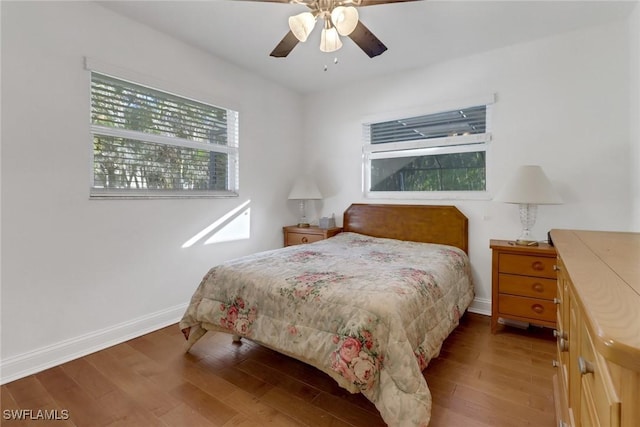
{"type": "Point", "coordinates": [294, 235]}
{"type": "Point", "coordinates": [523, 283]}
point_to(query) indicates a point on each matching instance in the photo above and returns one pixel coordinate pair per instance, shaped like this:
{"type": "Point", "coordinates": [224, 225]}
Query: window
{"type": "Point", "coordinates": [428, 155]}
{"type": "Point", "coordinates": [148, 143]}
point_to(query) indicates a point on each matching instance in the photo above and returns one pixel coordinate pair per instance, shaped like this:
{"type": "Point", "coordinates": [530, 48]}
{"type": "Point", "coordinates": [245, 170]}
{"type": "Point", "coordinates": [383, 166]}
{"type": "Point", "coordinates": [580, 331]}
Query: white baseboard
{"type": "Point", "coordinates": [29, 363]}
{"type": "Point", "coordinates": [480, 306]}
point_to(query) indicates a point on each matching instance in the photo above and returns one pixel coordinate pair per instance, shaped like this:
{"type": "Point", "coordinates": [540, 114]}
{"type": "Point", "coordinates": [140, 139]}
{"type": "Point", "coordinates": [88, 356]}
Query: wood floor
{"type": "Point", "coordinates": [480, 379]}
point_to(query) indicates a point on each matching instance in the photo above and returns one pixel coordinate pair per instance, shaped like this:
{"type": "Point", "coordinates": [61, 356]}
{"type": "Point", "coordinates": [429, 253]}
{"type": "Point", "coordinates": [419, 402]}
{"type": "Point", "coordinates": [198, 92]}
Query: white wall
{"type": "Point", "coordinates": [562, 103]}
{"type": "Point", "coordinates": [79, 273]}
{"type": "Point", "coordinates": [634, 116]}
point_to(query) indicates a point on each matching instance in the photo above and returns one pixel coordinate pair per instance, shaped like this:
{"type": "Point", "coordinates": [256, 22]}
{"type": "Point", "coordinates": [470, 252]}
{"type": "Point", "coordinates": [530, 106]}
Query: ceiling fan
{"type": "Point", "coordinates": [340, 18]}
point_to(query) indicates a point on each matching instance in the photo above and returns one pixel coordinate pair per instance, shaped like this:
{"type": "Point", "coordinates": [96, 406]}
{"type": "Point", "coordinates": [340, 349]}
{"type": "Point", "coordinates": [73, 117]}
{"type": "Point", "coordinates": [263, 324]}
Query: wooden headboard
{"type": "Point", "coordinates": [417, 223]}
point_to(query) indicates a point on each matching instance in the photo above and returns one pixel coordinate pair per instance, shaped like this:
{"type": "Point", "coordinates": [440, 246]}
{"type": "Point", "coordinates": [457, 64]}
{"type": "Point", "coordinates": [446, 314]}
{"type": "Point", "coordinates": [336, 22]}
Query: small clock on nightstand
{"type": "Point", "coordinates": [294, 235]}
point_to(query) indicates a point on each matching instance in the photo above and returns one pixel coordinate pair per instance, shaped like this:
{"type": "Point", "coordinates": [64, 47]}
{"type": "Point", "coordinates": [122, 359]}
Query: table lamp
{"type": "Point", "coordinates": [304, 189]}
{"type": "Point", "coordinates": [528, 187]}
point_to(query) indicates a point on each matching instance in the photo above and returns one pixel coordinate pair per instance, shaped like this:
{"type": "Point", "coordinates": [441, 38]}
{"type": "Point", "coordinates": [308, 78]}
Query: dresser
{"type": "Point", "coordinates": [597, 382]}
{"type": "Point", "coordinates": [294, 235]}
{"type": "Point", "coordinates": [523, 283]}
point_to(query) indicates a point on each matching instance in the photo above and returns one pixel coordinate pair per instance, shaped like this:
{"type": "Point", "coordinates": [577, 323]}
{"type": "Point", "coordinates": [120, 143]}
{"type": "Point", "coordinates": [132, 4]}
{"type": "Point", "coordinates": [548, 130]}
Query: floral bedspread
{"type": "Point", "coordinates": [369, 312]}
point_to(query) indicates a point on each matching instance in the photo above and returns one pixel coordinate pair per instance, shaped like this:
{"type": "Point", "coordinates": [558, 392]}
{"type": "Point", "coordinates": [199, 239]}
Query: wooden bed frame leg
{"type": "Point", "coordinates": [236, 338]}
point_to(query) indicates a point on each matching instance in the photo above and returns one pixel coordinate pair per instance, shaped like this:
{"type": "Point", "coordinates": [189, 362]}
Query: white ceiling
{"type": "Point", "coordinates": [417, 34]}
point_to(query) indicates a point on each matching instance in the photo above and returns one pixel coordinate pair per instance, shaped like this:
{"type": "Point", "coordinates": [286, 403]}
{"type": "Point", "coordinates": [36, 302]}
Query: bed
{"type": "Point", "coordinates": [370, 306]}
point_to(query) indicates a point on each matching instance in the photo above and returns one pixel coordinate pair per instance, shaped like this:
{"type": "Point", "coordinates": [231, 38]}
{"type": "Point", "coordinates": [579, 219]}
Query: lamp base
{"type": "Point", "coordinates": [304, 222]}
{"type": "Point", "coordinates": [528, 213]}
{"type": "Point", "coordinates": [523, 242]}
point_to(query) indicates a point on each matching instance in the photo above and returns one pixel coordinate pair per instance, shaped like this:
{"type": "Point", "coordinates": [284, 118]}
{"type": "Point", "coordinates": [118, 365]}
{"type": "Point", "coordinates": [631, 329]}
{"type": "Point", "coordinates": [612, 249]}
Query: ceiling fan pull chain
{"type": "Point", "coordinates": [335, 61]}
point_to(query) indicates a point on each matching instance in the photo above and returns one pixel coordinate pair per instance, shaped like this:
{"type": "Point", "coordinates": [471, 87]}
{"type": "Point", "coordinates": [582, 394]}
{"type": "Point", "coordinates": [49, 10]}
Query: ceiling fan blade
{"type": "Point", "coordinates": [375, 2]}
{"type": "Point", "coordinates": [368, 42]}
{"type": "Point", "coordinates": [286, 45]}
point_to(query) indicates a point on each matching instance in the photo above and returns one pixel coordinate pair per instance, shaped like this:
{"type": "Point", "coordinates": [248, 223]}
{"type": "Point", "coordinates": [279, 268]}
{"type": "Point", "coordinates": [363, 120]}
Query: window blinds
{"type": "Point", "coordinates": [468, 121]}
{"type": "Point", "coordinates": [146, 140]}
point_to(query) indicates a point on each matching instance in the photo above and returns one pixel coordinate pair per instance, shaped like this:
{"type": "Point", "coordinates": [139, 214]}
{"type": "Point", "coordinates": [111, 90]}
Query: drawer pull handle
{"type": "Point", "coordinates": [563, 345]}
{"type": "Point", "coordinates": [305, 239]}
{"type": "Point", "coordinates": [538, 266]}
{"type": "Point", "coordinates": [538, 287]}
{"type": "Point", "coordinates": [556, 268]}
{"type": "Point", "coordinates": [559, 334]}
{"type": "Point", "coordinates": [555, 363]}
{"type": "Point", "coordinates": [537, 308]}
{"type": "Point", "coordinates": [584, 366]}
{"type": "Point", "coordinates": [557, 301]}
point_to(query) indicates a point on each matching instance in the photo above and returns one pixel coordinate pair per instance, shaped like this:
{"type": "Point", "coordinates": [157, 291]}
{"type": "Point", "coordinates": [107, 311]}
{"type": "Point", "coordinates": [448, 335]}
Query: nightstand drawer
{"type": "Point", "coordinates": [527, 265]}
{"type": "Point", "coordinates": [294, 235]}
{"type": "Point", "coordinates": [534, 287]}
{"type": "Point", "coordinates": [531, 308]}
{"type": "Point", "coordinates": [300, 238]}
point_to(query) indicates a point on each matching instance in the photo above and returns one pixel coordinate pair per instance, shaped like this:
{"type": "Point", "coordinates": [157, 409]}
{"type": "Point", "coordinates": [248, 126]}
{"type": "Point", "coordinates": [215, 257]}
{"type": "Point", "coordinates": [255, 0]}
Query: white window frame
{"type": "Point", "coordinates": [446, 145]}
{"type": "Point", "coordinates": [232, 149]}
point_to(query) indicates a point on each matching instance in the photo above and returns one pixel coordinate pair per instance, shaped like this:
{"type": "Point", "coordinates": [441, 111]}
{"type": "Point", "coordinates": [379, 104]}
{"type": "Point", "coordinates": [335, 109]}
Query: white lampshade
{"type": "Point", "coordinates": [305, 188]}
{"type": "Point", "coordinates": [330, 40]}
{"type": "Point", "coordinates": [529, 185]}
{"type": "Point", "coordinates": [344, 19]}
{"type": "Point", "coordinates": [301, 25]}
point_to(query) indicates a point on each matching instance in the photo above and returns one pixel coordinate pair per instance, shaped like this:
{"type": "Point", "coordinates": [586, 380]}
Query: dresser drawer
{"type": "Point", "coordinates": [588, 414]}
{"type": "Point", "coordinates": [531, 308]}
{"type": "Point", "coordinates": [528, 265]}
{"type": "Point", "coordinates": [597, 385]}
{"type": "Point", "coordinates": [562, 345]}
{"type": "Point", "coordinates": [300, 238]}
{"type": "Point", "coordinates": [534, 287]}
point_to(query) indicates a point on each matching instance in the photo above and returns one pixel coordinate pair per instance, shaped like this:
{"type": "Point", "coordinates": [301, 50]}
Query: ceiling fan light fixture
{"type": "Point", "coordinates": [344, 19]}
{"type": "Point", "coordinates": [301, 25]}
{"type": "Point", "coordinates": [330, 39]}
{"type": "Point", "coordinates": [340, 19]}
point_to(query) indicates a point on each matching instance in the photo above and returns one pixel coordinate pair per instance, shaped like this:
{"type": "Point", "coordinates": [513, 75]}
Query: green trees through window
{"type": "Point", "coordinates": [146, 141]}
{"type": "Point", "coordinates": [440, 172]}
